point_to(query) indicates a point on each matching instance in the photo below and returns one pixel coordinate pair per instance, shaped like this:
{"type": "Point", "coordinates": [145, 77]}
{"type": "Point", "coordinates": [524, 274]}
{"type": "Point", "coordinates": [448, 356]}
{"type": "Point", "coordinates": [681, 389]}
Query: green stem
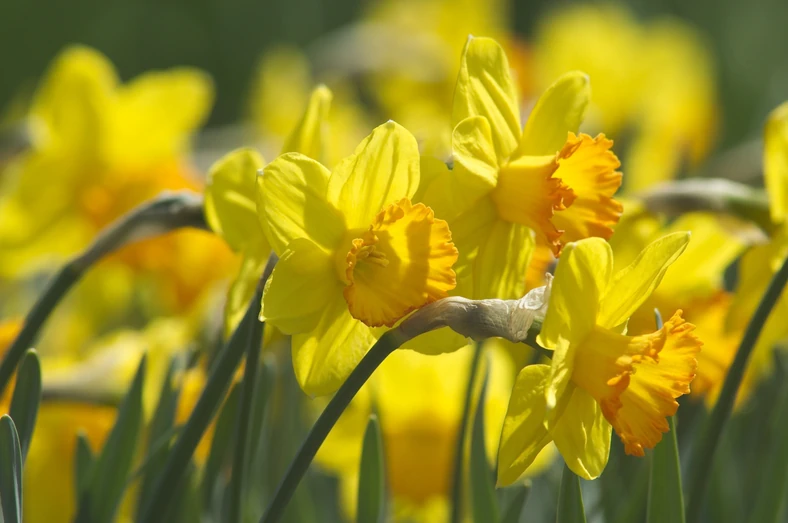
{"type": "Point", "coordinates": [459, 450]}
{"type": "Point", "coordinates": [205, 409]}
{"type": "Point", "coordinates": [387, 344]}
{"type": "Point", "coordinates": [164, 214]}
{"type": "Point", "coordinates": [702, 458]}
{"type": "Point", "coordinates": [242, 435]}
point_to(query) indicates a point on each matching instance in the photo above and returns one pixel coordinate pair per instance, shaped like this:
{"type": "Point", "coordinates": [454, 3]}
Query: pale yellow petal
{"type": "Point", "coordinates": [775, 162]}
{"type": "Point", "coordinates": [582, 435]}
{"type": "Point", "coordinates": [524, 433]}
{"type": "Point", "coordinates": [472, 150]}
{"type": "Point", "coordinates": [155, 115]}
{"type": "Point", "coordinates": [243, 287]}
{"type": "Point", "coordinates": [558, 111]}
{"type": "Point", "coordinates": [301, 286]}
{"type": "Point", "coordinates": [485, 88]}
{"type": "Point", "coordinates": [502, 261]}
{"type": "Point", "coordinates": [230, 206]}
{"type": "Point", "coordinates": [307, 137]}
{"type": "Point", "coordinates": [383, 170]}
{"type": "Point", "coordinates": [632, 285]}
{"type": "Point", "coordinates": [581, 277]}
{"type": "Point", "coordinates": [324, 357]}
{"type": "Point", "coordinates": [291, 203]}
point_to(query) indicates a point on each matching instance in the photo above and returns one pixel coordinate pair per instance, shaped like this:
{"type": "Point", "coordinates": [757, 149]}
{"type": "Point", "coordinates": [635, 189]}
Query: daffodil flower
{"type": "Point", "coordinates": [354, 252]}
{"type": "Point", "coordinates": [231, 207]}
{"type": "Point", "coordinates": [599, 378]}
{"type": "Point", "coordinates": [508, 184]}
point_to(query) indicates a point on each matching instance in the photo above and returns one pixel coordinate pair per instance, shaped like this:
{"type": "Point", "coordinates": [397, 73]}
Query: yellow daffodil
{"type": "Point", "coordinates": [599, 379]}
{"type": "Point", "coordinates": [419, 401]}
{"type": "Point", "coordinates": [99, 148]}
{"type": "Point", "coordinates": [656, 78]}
{"type": "Point", "coordinates": [508, 183]}
{"type": "Point", "coordinates": [354, 252]}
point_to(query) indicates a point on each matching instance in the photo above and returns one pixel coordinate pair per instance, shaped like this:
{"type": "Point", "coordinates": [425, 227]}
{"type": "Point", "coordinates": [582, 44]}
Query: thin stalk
{"type": "Point", "coordinates": [205, 409]}
{"type": "Point", "coordinates": [387, 343]}
{"type": "Point", "coordinates": [702, 457]}
{"type": "Point", "coordinates": [242, 435]}
{"type": "Point", "coordinates": [164, 214]}
{"type": "Point", "coordinates": [459, 451]}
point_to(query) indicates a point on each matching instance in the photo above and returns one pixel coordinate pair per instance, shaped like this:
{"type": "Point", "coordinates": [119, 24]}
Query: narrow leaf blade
{"type": "Point", "coordinates": [570, 499]}
{"type": "Point", "coordinates": [10, 472]}
{"type": "Point", "coordinates": [485, 506]}
{"type": "Point", "coordinates": [83, 465]}
{"type": "Point", "coordinates": [665, 498]}
{"type": "Point", "coordinates": [372, 477]}
{"type": "Point", "coordinates": [26, 399]}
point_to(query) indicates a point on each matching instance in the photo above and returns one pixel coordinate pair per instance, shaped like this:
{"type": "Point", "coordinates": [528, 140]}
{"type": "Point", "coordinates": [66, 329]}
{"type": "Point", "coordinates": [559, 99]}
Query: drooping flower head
{"type": "Point", "coordinates": [355, 253]}
{"type": "Point", "coordinates": [600, 379]}
{"type": "Point", "coordinates": [509, 184]}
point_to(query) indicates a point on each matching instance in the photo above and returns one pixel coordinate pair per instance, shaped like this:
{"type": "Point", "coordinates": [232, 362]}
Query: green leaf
{"type": "Point", "coordinates": [219, 455]}
{"type": "Point", "coordinates": [770, 500]}
{"type": "Point", "coordinates": [485, 506]}
{"type": "Point", "coordinates": [111, 470]}
{"type": "Point", "coordinates": [515, 504]}
{"type": "Point", "coordinates": [570, 499]}
{"type": "Point", "coordinates": [159, 435]}
{"type": "Point", "coordinates": [10, 472]}
{"type": "Point", "coordinates": [83, 465]}
{"type": "Point", "coordinates": [372, 476]}
{"type": "Point", "coordinates": [26, 398]}
{"type": "Point", "coordinates": [665, 498]}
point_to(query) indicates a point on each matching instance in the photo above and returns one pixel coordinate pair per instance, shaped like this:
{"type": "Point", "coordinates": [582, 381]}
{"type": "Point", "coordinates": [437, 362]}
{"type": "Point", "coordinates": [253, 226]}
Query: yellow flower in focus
{"type": "Point", "coordinates": [419, 401]}
{"type": "Point", "coordinates": [354, 252]}
{"type": "Point", "coordinates": [656, 79]}
{"type": "Point", "coordinates": [507, 183]}
{"type": "Point", "coordinates": [599, 379]}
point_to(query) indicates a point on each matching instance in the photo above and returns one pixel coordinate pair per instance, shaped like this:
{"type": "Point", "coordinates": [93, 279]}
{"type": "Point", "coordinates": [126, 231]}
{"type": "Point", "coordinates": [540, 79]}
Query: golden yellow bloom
{"type": "Point", "coordinates": [599, 379]}
{"type": "Point", "coordinates": [507, 183]}
{"type": "Point", "coordinates": [354, 252]}
{"type": "Point", "coordinates": [656, 78]}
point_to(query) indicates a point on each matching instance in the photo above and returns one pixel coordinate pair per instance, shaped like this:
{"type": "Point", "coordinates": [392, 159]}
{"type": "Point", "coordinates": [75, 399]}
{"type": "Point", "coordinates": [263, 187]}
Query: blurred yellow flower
{"type": "Point", "coordinates": [508, 184]}
{"type": "Point", "coordinates": [419, 401]}
{"type": "Point", "coordinates": [599, 379]}
{"type": "Point", "coordinates": [655, 80]}
{"type": "Point", "coordinates": [354, 252]}
{"type": "Point", "coordinates": [99, 149]}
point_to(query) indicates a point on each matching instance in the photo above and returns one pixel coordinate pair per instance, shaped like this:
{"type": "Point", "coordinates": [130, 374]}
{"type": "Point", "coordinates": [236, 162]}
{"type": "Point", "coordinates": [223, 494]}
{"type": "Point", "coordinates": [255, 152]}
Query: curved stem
{"type": "Point", "coordinates": [459, 453]}
{"type": "Point", "coordinates": [164, 214]}
{"type": "Point", "coordinates": [387, 343]}
{"type": "Point", "coordinates": [702, 458]}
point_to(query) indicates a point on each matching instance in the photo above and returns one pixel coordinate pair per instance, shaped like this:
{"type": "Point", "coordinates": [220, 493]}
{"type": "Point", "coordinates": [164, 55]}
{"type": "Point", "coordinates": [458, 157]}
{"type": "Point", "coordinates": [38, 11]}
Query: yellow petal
{"type": "Point", "coordinates": [403, 262]}
{"type": "Point", "coordinates": [502, 261]}
{"type": "Point", "coordinates": [472, 150]}
{"type": "Point", "coordinates": [230, 206]}
{"type": "Point", "coordinates": [775, 162]}
{"type": "Point", "coordinates": [588, 167]}
{"type": "Point", "coordinates": [291, 203]}
{"type": "Point", "coordinates": [243, 287]}
{"type": "Point", "coordinates": [582, 434]}
{"type": "Point", "coordinates": [485, 88]}
{"type": "Point", "coordinates": [324, 357]}
{"type": "Point", "coordinates": [155, 114]}
{"type": "Point", "coordinates": [581, 277]}
{"type": "Point", "coordinates": [559, 110]}
{"type": "Point", "coordinates": [301, 286]}
{"type": "Point", "coordinates": [633, 284]}
{"type": "Point", "coordinates": [524, 434]}
{"type": "Point", "coordinates": [307, 137]}
{"type": "Point", "coordinates": [70, 107]}
{"type": "Point", "coordinates": [699, 271]}
{"type": "Point", "coordinates": [383, 170]}
{"type": "Point", "coordinates": [528, 194]}
{"type": "Point", "coordinates": [636, 380]}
